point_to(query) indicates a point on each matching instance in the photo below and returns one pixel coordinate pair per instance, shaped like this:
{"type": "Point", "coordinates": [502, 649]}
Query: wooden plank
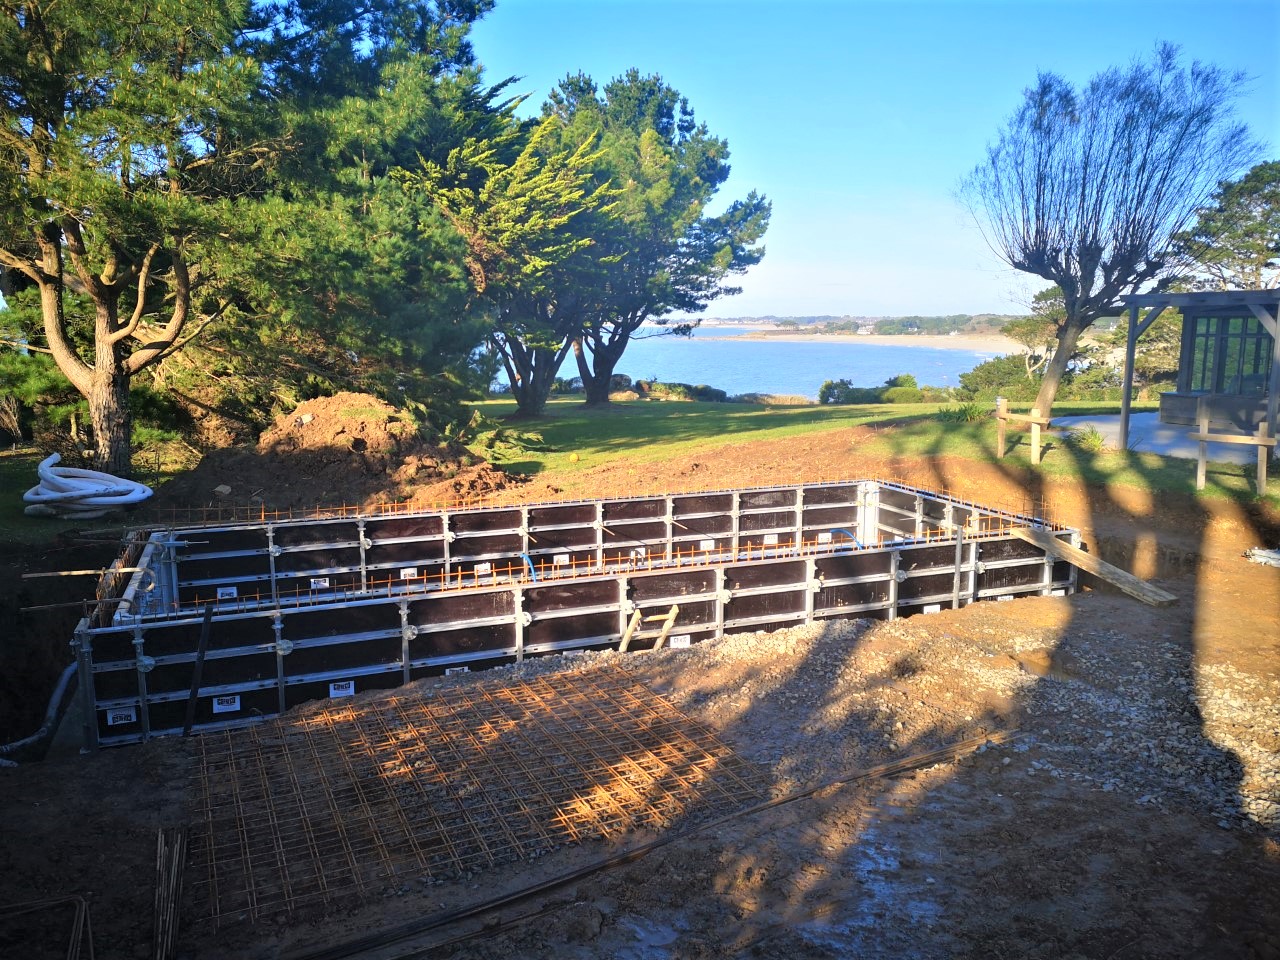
{"type": "Point", "coordinates": [1249, 439]}
{"type": "Point", "coordinates": [1032, 417]}
{"type": "Point", "coordinates": [1134, 587]}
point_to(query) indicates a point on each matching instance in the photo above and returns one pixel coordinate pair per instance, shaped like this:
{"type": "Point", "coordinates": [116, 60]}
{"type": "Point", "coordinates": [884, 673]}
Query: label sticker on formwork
{"type": "Point", "coordinates": [227, 704]}
{"type": "Point", "coordinates": [408, 573]}
{"type": "Point", "coordinates": [560, 560]}
{"type": "Point", "coordinates": [931, 608]}
{"type": "Point", "coordinates": [770, 539]}
{"type": "Point", "coordinates": [226, 593]}
{"type": "Point", "coordinates": [121, 715]}
{"type": "Point", "coordinates": [679, 641]}
{"type": "Point", "coordinates": [319, 583]}
{"type": "Point", "coordinates": [824, 536]}
{"type": "Point", "coordinates": [342, 688]}
{"type": "Point", "coordinates": [706, 546]}
{"type": "Point", "coordinates": [450, 671]}
{"type": "Point", "coordinates": [483, 568]}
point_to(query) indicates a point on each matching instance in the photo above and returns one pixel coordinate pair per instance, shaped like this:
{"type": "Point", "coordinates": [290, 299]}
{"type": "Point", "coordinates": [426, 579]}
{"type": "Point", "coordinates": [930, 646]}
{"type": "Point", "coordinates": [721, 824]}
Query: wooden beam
{"type": "Point", "coordinates": [1125, 581]}
{"type": "Point", "coordinates": [1271, 321]}
{"type": "Point", "coordinates": [1126, 388]}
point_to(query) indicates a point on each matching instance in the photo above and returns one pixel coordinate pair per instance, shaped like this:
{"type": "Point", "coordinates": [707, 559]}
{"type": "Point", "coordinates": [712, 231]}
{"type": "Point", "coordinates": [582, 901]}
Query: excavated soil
{"type": "Point", "coordinates": [1133, 812]}
{"type": "Point", "coordinates": [349, 449]}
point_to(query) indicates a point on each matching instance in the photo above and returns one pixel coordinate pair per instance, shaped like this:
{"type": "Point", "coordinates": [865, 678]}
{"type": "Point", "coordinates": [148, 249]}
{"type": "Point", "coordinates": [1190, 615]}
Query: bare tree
{"type": "Point", "coordinates": [1087, 189]}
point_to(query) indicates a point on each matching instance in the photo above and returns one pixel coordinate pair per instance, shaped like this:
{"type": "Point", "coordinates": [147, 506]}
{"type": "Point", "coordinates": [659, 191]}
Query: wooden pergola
{"type": "Point", "coordinates": [1208, 329]}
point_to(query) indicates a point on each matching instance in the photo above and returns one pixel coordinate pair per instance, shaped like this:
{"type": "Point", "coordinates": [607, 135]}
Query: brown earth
{"type": "Point", "coordinates": [349, 449]}
{"type": "Point", "coordinates": [1137, 814]}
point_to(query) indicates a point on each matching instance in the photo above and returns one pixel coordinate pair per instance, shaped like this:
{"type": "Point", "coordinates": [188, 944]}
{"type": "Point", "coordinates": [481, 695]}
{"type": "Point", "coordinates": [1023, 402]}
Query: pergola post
{"type": "Point", "coordinates": [1130, 351]}
{"type": "Point", "coordinates": [1272, 325]}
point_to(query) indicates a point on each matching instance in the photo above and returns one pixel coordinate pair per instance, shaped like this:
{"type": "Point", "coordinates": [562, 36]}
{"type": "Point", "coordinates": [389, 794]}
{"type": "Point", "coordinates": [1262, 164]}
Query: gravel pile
{"type": "Point", "coordinates": [1102, 709]}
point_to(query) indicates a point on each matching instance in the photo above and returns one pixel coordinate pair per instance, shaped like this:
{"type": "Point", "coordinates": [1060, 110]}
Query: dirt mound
{"type": "Point", "coordinates": [349, 449]}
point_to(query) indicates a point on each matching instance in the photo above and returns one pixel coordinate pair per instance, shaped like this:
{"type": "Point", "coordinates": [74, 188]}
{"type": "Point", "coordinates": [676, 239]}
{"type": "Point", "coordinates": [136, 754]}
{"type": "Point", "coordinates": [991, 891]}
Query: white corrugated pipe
{"type": "Point", "coordinates": [80, 494]}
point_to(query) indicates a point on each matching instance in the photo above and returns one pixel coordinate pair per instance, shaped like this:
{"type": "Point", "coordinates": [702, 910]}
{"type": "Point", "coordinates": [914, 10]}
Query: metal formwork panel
{"type": "Point", "coordinates": [302, 610]}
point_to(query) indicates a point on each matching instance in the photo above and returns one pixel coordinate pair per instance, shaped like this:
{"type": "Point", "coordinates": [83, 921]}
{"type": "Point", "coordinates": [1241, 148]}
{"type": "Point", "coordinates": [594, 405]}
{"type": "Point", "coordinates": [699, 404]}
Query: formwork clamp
{"type": "Point", "coordinates": [627, 607]}
{"type": "Point", "coordinates": [284, 647]}
{"type": "Point", "coordinates": [526, 618]}
{"type": "Point", "coordinates": [144, 663]}
{"type": "Point", "coordinates": [408, 632]}
{"type": "Point", "coordinates": [723, 595]}
{"type": "Point", "coordinates": [275, 550]}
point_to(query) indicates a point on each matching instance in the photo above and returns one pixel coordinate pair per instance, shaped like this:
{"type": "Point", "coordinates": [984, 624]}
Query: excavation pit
{"type": "Point", "coordinates": [218, 626]}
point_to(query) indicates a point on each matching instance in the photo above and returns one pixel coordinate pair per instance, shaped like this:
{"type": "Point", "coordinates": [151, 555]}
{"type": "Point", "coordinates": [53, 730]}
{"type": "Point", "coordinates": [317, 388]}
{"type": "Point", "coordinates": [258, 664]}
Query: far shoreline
{"type": "Point", "coordinates": [977, 342]}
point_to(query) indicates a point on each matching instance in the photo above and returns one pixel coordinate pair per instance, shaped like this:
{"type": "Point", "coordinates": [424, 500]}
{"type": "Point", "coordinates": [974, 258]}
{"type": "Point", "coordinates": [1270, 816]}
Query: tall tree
{"type": "Point", "coordinates": [1236, 240]}
{"type": "Point", "coordinates": [662, 253]}
{"type": "Point", "coordinates": [181, 163]}
{"type": "Point", "coordinates": [118, 158]}
{"type": "Point", "coordinates": [1088, 189]}
{"type": "Point", "coordinates": [517, 201]}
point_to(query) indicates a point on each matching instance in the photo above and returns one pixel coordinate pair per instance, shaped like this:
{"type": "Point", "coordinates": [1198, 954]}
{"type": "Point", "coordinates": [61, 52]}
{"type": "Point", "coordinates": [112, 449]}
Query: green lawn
{"type": "Point", "coordinates": [645, 431]}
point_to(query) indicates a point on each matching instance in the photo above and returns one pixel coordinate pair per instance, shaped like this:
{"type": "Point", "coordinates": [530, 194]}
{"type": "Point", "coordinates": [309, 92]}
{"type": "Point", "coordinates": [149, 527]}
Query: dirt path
{"type": "Point", "coordinates": [1136, 814]}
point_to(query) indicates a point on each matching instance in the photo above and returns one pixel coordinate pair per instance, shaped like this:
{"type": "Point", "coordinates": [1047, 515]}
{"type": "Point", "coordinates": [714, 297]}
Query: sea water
{"type": "Point", "coordinates": [724, 357]}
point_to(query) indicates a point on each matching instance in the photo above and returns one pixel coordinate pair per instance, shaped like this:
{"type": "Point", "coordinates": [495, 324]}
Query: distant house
{"type": "Point", "coordinates": [1230, 357]}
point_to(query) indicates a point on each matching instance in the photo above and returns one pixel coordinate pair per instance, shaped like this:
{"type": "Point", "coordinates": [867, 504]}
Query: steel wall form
{"type": "Point", "coordinates": [306, 609]}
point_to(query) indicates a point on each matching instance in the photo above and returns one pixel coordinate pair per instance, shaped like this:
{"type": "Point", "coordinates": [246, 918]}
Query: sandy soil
{"type": "Point", "coordinates": [1136, 813]}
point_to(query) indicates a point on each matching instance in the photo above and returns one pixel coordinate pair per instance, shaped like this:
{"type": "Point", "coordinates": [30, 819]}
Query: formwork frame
{"type": "Point", "coordinates": [305, 609]}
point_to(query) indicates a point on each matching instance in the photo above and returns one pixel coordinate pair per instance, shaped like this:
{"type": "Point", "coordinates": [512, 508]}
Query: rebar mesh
{"type": "Point", "coordinates": [428, 785]}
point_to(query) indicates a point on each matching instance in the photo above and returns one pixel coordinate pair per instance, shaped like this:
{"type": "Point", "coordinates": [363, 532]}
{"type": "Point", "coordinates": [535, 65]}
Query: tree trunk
{"type": "Point", "coordinates": [109, 409]}
{"type": "Point", "coordinates": [112, 422]}
{"type": "Point", "coordinates": [1057, 366]}
{"type": "Point", "coordinates": [597, 377]}
{"type": "Point", "coordinates": [531, 371]}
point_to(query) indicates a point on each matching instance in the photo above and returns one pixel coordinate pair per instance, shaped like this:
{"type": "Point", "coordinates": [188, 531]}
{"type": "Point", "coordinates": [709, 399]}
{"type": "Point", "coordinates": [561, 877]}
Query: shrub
{"type": "Point", "coordinates": [680, 391]}
{"type": "Point", "coordinates": [1000, 376]}
{"type": "Point", "coordinates": [899, 389]}
{"type": "Point", "coordinates": [972, 412]}
{"type": "Point", "coordinates": [1087, 439]}
{"type": "Point", "coordinates": [901, 395]}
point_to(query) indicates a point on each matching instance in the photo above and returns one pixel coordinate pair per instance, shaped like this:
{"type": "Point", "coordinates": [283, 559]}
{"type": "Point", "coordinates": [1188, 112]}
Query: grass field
{"type": "Point", "coordinates": [570, 438]}
{"type": "Point", "coordinates": [646, 431]}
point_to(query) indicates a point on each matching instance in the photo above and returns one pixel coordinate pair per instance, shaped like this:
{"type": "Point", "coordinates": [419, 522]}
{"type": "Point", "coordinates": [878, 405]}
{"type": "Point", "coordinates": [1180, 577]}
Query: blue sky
{"type": "Point", "coordinates": [859, 118]}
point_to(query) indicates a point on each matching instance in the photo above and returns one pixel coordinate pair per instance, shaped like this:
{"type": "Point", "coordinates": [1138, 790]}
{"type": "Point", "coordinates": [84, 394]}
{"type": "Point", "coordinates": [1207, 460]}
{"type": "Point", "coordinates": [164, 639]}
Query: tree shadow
{"type": "Point", "coordinates": [1113, 827]}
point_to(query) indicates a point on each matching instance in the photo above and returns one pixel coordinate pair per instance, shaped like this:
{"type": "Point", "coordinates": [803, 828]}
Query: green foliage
{"type": "Point", "coordinates": [1236, 241]}
{"type": "Point", "coordinates": [654, 390]}
{"type": "Point", "coordinates": [899, 389]}
{"type": "Point", "coordinates": [1089, 439]}
{"type": "Point", "coordinates": [1038, 333]}
{"type": "Point", "coordinates": [1000, 376]}
{"type": "Point", "coordinates": [1157, 352]}
{"type": "Point", "coordinates": [934, 326]}
{"type": "Point", "coordinates": [658, 251]}
{"type": "Point", "coordinates": [902, 395]}
{"type": "Point", "coordinates": [972, 412]}
{"type": "Point", "coordinates": [844, 392]}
